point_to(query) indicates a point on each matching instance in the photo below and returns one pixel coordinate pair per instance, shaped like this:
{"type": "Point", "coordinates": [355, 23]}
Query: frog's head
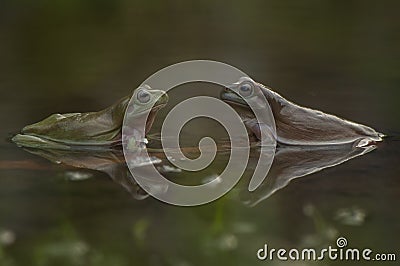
{"type": "Point", "coordinates": [102, 128]}
{"type": "Point", "coordinates": [240, 95]}
{"type": "Point", "coordinates": [146, 100]}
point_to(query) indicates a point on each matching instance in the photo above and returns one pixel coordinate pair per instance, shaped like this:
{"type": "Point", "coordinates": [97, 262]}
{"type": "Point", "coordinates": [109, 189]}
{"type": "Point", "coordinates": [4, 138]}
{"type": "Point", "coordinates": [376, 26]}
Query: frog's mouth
{"type": "Point", "coordinates": [240, 105]}
{"type": "Point", "coordinates": [152, 115]}
{"type": "Point", "coordinates": [243, 110]}
{"type": "Point", "coordinates": [229, 96]}
{"type": "Point", "coordinates": [32, 141]}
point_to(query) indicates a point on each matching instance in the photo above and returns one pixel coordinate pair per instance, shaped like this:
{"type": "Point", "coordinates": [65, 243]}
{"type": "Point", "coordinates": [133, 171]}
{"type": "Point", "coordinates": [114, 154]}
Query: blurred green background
{"type": "Point", "coordinates": [342, 57]}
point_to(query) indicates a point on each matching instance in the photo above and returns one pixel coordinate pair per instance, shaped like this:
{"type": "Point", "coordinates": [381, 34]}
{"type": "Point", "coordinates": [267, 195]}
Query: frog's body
{"type": "Point", "coordinates": [92, 129]}
{"type": "Point", "coordinates": [297, 125]}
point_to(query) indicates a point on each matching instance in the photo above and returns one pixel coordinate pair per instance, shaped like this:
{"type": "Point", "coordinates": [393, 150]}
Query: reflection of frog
{"type": "Point", "coordinates": [295, 125]}
{"type": "Point", "coordinates": [111, 162]}
{"type": "Point", "coordinates": [103, 128]}
{"type": "Point", "coordinates": [291, 162]}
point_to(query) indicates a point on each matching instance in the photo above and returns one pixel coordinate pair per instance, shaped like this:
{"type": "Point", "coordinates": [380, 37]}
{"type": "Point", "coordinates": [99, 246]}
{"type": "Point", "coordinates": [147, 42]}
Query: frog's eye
{"type": "Point", "coordinates": [143, 96]}
{"type": "Point", "coordinates": [245, 89]}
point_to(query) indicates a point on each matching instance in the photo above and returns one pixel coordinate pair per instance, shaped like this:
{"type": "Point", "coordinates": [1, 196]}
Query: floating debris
{"type": "Point", "coordinates": [353, 216]}
{"type": "Point", "coordinates": [228, 242]}
{"type": "Point", "coordinates": [208, 179]}
{"type": "Point", "coordinates": [139, 161]}
{"type": "Point", "coordinates": [7, 237]}
{"type": "Point", "coordinates": [77, 175]}
{"type": "Point", "coordinates": [169, 169]}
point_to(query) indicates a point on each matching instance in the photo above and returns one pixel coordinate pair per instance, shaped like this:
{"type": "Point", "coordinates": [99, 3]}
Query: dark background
{"type": "Point", "coordinates": [341, 57]}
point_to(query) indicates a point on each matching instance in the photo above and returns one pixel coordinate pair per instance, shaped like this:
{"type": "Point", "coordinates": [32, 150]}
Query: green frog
{"type": "Point", "coordinates": [93, 129]}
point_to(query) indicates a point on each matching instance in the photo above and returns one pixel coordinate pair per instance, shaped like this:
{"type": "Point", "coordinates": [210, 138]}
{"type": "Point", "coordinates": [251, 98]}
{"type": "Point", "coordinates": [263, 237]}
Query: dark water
{"type": "Point", "coordinates": [66, 56]}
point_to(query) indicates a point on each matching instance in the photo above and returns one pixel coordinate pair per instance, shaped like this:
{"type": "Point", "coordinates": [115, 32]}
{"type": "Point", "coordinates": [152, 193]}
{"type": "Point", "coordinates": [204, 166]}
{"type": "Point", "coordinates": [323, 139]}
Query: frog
{"type": "Point", "coordinates": [92, 130]}
{"type": "Point", "coordinates": [294, 124]}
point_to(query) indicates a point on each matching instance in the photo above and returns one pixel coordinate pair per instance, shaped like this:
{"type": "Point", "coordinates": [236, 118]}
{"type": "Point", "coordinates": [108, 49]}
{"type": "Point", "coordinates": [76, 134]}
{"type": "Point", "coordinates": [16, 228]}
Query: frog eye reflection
{"type": "Point", "coordinates": [245, 89]}
{"type": "Point", "coordinates": [143, 96]}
